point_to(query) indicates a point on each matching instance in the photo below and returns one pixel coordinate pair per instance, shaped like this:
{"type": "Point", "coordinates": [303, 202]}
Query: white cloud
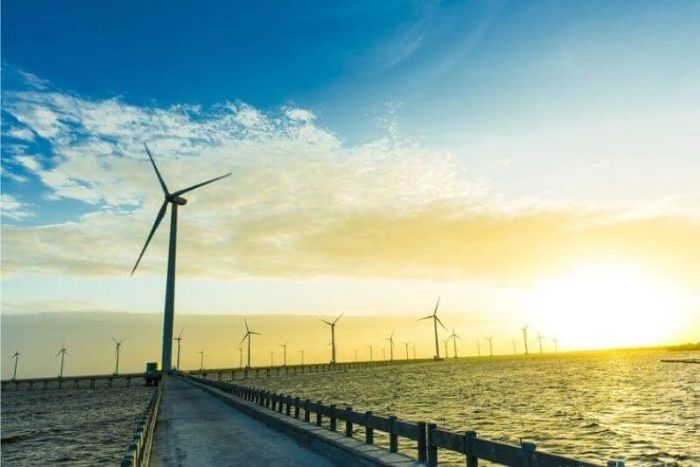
{"type": "Point", "coordinates": [12, 208]}
{"type": "Point", "coordinates": [20, 133]}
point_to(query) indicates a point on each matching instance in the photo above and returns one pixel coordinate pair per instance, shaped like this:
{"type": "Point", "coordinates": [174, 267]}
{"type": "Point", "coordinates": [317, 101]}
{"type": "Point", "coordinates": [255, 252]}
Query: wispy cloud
{"type": "Point", "coordinates": [300, 201]}
{"type": "Point", "coordinates": [14, 209]}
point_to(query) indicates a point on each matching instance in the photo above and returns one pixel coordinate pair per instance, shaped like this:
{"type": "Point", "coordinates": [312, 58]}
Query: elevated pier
{"type": "Point", "coordinates": [85, 381]}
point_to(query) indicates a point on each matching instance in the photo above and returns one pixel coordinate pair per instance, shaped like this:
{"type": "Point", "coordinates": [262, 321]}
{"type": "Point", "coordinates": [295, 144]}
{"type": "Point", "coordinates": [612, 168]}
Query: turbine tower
{"type": "Point", "coordinates": [284, 352]}
{"type": "Point", "coordinates": [490, 339]}
{"type": "Point", "coordinates": [201, 360]}
{"type": "Point", "coordinates": [406, 344]}
{"type": "Point", "coordinates": [370, 353]}
{"type": "Point", "coordinates": [539, 339]}
{"type": "Point", "coordinates": [445, 342]}
{"type": "Point", "coordinates": [332, 325]}
{"type": "Point", "coordinates": [174, 199]}
{"type": "Point", "coordinates": [302, 356]}
{"type": "Point", "coordinates": [62, 353]}
{"type": "Point", "coordinates": [436, 320]}
{"type": "Point", "coordinates": [117, 348]}
{"type": "Point", "coordinates": [16, 357]}
{"type": "Point", "coordinates": [248, 334]}
{"type": "Point", "coordinates": [240, 356]}
{"type": "Point", "coordinates": [556, 344]}
{"type": "Point", "coordinates": [454, 338]}
{"type": "Point", "coordinates": [272, 358]}
{"type": "Point", "coordinates": [524, 329]}
{"type": "Point", "coordinates": [391, 346]}
{"type": "Point", "coordinates": [179, 339]}
{"type": "Point", "coordinates": [355, 354]}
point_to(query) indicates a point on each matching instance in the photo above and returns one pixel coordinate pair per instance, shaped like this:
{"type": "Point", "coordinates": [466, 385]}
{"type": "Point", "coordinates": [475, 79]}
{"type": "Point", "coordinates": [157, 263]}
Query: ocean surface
{"type": "Point", "coordinates": [76, 427]}
{"type": "Point", "coordinates": [592, 406]}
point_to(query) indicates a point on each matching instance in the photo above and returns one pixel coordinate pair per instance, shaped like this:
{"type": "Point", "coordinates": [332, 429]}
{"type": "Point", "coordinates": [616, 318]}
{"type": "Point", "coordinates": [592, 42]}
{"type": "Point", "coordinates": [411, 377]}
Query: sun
{"type": "Point", "coordinates": [607, 305]}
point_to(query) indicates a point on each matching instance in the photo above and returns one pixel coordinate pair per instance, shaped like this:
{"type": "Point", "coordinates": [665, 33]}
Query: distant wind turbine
{"type": "Point", "coordinates": [524, 329]}
{"type": "Point", "coordinates": [436, 320]}
{"type": "Point", "coordinates": [391, 346]}
{"type": "Point", "coordinates": [62, 353]}
{"type": "Point", "coordinates": [174, 199]}
{"type": "Point", "coordinates": [406, 344]}
{"type": "Point", "coordinates": [16, 357]}
{"type": "Point", "coordinates": [556, 344]}
{"type": "Point", "coordinates": [355, 354]}
{"type": "Point", "coordinates": [284, 352]}
{"type": "Point", "coordinates": [302, 356]}
{"type": "Point", "coordinates": [445, 342]}
{"type": "Point", "coordinates": [539, 339]}
{"type": "Point", "coordinates": [117, 348]}
{"type": "Point", "coordinates": [248, 334]}
{"type": "Point", "coordinates": [490, 339]}
{"type": "Point", "coordinates": [332, 325]}
{"type": "Point", "coordinates": [179, 340]}
{"type": "Point", "coordinates": [454, 338]}
{"type": "Point", "coordinates": [240, 356]}
{"type": "Point", "coordinates": [370, 353]}
{"type": "Point", "coordinates": [478, 348]}
{"type": "Point", "coordinates": [201, 360]}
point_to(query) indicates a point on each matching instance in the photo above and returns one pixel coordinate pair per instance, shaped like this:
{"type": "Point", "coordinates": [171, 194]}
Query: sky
{"type": "Point", "coordinates": [530, 162]}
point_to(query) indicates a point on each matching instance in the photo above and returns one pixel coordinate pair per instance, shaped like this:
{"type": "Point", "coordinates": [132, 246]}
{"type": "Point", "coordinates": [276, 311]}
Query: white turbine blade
{"type": "Point", "coordinates": [160, 179]}
{"type": "Point", "coordinates": [427, 317]}
{"type": "Point", "coordinates": [179, 336]}
{"type": "Point", "coordinates": [59, 353]}
{"type": "Point", "coordinates": [437, 304]}
{"type": "Point", "coordinates": [443, 326]}
{"type": "Point", "coordinates": [194, 187]}
{"type": "Point", "coordinates": [256, 333]}
{"type": "Point", "coordinates": [115, 340]}
{"type": "Point", "coordinates": [159, 217]}
{"type": "Point", "coordinates": [328, 323]}
{"type": "Point", "coordinates": [246, 325]}
{"type": "Point", "coordinates": [336, 320]}
{"type": "Point", "coordinates": [243, 340]}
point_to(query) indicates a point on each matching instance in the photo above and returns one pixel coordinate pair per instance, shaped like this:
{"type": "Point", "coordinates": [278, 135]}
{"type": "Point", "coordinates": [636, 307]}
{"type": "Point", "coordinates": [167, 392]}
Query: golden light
{"type": "Point", "coordinates": [607, 305]}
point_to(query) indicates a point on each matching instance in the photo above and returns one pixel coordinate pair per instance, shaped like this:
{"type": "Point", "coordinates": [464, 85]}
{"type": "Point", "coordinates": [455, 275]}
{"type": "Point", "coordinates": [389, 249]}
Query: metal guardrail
{"type": "Point", "coordinates": [428, 437]}
{"type": "Point", "coordinates": [139, 451]}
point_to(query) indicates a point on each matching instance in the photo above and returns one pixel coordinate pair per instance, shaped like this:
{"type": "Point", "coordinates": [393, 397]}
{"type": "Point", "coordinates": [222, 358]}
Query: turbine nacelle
{"type": "Point", "coordinates": [176, 200]}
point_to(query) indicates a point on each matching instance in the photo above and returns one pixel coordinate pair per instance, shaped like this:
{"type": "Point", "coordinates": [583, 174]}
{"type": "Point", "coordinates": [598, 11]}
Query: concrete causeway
{"type": "Point", "coordinates": [195, 429]}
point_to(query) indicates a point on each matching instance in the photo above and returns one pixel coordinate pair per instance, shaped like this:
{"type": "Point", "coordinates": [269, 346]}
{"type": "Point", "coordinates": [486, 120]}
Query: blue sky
{"type": "Point", "coordinates": [476, 145]}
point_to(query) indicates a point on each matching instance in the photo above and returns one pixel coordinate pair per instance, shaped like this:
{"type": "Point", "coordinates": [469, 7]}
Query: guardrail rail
{"type": "Point", "coordinates": [139, 451]}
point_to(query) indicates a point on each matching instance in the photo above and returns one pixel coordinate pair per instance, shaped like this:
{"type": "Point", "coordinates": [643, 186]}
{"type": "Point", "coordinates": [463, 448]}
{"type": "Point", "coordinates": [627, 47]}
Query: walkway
{"type": "Point", "coordinates": [195, 428]}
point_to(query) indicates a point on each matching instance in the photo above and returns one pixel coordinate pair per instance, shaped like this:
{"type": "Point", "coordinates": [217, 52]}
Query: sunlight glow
{"type": "Point", "coordinates": [608, 305]}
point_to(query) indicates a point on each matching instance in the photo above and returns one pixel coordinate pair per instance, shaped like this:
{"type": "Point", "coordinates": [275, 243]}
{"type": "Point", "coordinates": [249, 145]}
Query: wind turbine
{"type": "Point", "coordinates": [248, 334]}
{"type": "Point", "coordinates": [302, 356]}
{"type": "Point", "coordinates": [284, 352]}
{"type": "Point", "coordinates": [240, 356]}
{"type": "Point", "coordinates": [445, 342]}
{"type": "Point", "coordinates": [62, 353]}
{"type": "Point", "coordinates": [174, 199]}
{"type": "Point", "coordinates": [391, 346]}
{"type": "Point", "coordinates": [16, 357]}
{"type": "Point", "coordinates": [370, 353]}
{"type": "Point", "coordinates": [539, 338]}
{"type": "Point", "coordinates": [332, 325]}
{"type": "Point", "coordinates": [524, 329]}
{"type": "Point", "coordinates": [179, 339]}
{"type": "Point", "coordinates": [436, 320]}
{"type": "Point", "coordinates": [406, 344]}
{"type": "Point", "coordinates": [490, 339]}
{"type": "Point", "coordinates": [556, 344]}
{"type": "Point", "coordinates": [117, 348]}
{"type": "Point", "coordinates": [454, 338]}
{"type": "Point", "coordinates": [201, 360]}
{"type": "Point", "coordinates": [355, 354]}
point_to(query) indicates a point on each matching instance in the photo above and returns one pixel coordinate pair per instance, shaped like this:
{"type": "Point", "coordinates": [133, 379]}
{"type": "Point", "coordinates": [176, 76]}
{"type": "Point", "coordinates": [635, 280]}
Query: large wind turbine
{"type": "Point", "coordinates": [247, 335]}
{"type": "Point", "coordinates": [436, 320]}
{"type": "Point", "coordinates": [16, 357]}
{"type": "Point", "coordinates": [179, 339]}
{"type": "Point", "coordinates": [490, 339]}
{"type": "Point", "coordinates": [175, 199]}
{"type": "Point", "coordinates": [332, 325]}
{"type": "Point", "coordinates": [406, 345]}
{"type": "Point", "coordinates": [445, 342]}
{"type": "Point", "coordinates": [454, 336]}
{"type": "Point", "coordinates": [117, 348]}
{"type": "Point", "coordinates": [539, 338]}
{"type": "Point", "coordinates": [524, 329]}
{"type": "Point", "coordinates": [62, 353]}
{"type": "Point", "coordinates": [201, 360]}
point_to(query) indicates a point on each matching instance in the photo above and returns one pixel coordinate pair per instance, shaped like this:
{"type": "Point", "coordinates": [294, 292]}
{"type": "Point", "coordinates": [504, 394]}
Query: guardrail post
{"type": "Point", "coordinates": [333, 420]}
{"type": "Point", "coordinates": [616, 463]}
{"type": "Point", "coordinates": [296, 407]}
{"type": "Point", "coordinates": [369, 429]}
{"type": "Point", "coordinates": [319, 417]}
{"type": "Point", "coordinates": [527, 451]}
{"type": "Point", "coordinates": [470, 449]}
{"type": "Point", "coordinates": [348, 423]}
{"type": "Point", "coordinates": [432, 449]}
{"type": "Point", "coordinates": [393, 437]}
{"type": "Point", "coordinates": [307, 414]}
{"type": "Point", "coordinates": [422, 449]}
{"type": "Point", "coordinates": [287, 407]}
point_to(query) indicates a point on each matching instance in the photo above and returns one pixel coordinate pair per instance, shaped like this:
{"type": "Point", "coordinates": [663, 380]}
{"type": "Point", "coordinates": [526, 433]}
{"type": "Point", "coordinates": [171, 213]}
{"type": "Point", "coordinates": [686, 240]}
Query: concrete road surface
{"type": "Point", "coordinates": [195, 429]}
